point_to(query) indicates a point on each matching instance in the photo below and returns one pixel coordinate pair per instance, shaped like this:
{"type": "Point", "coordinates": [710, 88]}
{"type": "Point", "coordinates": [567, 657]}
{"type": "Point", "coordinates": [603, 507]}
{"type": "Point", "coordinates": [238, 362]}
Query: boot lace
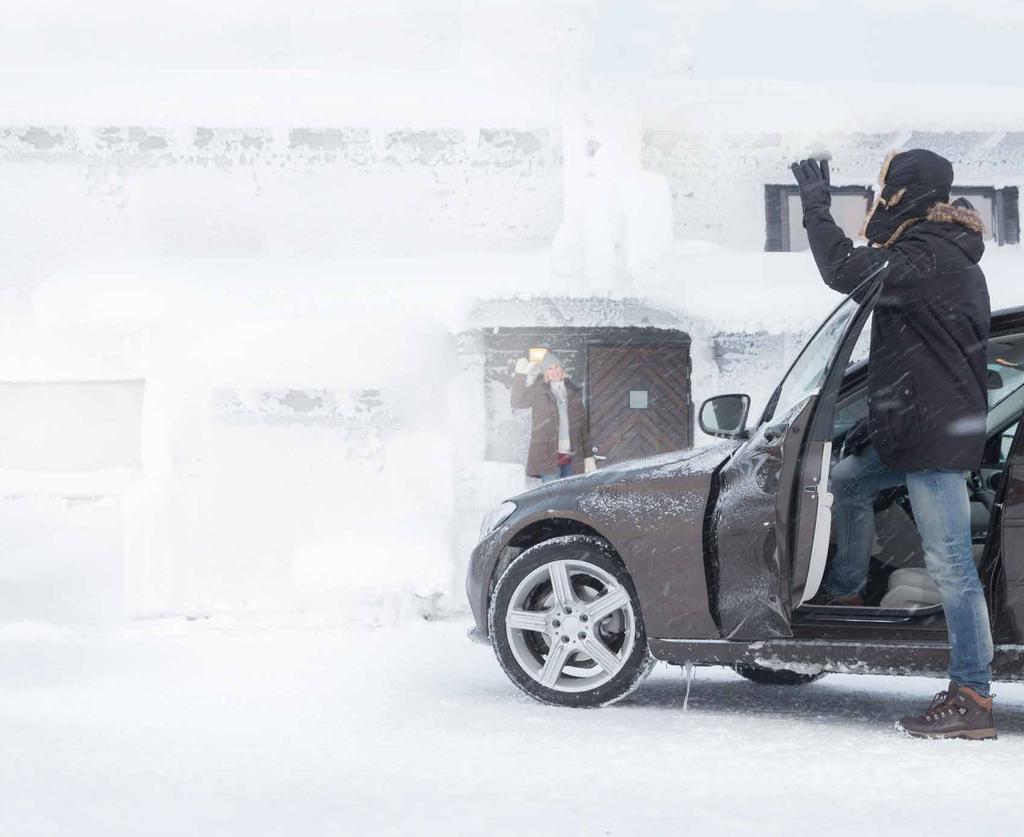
{"type": "Point", "coordinates": [943, 706]}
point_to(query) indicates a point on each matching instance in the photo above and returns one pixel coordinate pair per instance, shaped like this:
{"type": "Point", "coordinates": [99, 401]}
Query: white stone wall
{"type": "Point", "coordinates": [86, 200]}
{"type": "Point", "coordinates": [93, 200]}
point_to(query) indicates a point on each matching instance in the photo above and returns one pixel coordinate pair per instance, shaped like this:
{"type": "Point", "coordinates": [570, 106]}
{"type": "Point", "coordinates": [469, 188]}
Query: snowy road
{"type": "Point", "coordinates": [204, 728]}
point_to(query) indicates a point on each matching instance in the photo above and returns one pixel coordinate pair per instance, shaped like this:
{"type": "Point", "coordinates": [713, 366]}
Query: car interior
{"type": "Point", "coordinates": [897, 578]}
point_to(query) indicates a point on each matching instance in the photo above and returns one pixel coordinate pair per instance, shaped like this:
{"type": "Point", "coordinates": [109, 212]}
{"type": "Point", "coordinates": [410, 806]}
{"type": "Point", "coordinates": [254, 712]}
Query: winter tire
{"type": "Point", "coordinates": [776, 677]}
{"type": "Point", "coordinates": [565, 624]}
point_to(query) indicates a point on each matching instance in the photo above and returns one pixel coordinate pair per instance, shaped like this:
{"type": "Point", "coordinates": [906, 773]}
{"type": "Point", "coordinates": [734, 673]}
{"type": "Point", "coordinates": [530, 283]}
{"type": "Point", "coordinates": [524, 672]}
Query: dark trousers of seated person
{"type": "Point", "coordinates": [942, 512]}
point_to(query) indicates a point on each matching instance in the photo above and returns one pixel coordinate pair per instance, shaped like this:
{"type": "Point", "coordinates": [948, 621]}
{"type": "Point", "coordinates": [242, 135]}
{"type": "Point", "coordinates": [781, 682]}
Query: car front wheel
{"type": "Point", "coordinates": [565, 624]}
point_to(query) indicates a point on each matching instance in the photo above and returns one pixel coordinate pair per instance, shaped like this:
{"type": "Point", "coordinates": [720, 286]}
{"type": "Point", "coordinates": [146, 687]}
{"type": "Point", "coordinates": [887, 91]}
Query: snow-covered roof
{"type": "Point", "coordinates": [703, 65]}
{"type": "Point", "coordinates": [284, 97]}
{"type": "Point", "coordinates": [794, 107]}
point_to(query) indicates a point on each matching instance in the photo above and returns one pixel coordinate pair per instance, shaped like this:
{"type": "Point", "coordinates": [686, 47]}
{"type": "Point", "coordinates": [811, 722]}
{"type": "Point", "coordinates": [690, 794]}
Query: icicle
{"type": "Point", "coordinates": [689, 683]}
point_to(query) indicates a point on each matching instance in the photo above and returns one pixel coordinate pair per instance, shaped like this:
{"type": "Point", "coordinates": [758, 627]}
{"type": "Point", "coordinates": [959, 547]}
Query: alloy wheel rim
{"type": "Point", "coordinates": [570, 626]}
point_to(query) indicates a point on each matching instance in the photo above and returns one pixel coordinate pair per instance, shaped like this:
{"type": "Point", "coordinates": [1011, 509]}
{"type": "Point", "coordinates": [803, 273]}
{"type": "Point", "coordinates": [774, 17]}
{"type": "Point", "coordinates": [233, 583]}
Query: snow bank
{"type": "Point", "coordinates": [215, 727]}
{"type": "Point", "coordinates": [63, 558]}
{"type": "Point", "coordinates": [287, 464]}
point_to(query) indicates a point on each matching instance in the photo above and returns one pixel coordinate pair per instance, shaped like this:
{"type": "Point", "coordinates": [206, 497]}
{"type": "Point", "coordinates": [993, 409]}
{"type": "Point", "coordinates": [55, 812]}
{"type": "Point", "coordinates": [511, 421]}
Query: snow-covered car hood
{"type": "Point", "coordinates": [632, 497]}
{"type": "Point", "coordinates": [665, 466]}
{"type": "Point", "coordinates": [668, 465]}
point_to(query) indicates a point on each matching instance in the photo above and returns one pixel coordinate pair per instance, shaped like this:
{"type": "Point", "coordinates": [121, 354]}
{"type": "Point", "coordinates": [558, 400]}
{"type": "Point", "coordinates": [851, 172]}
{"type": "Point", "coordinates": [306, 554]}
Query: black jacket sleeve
{"type": "Point", "coordinates": [842, 265]}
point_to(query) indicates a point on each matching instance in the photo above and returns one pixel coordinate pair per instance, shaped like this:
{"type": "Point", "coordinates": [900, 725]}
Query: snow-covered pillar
{"type": "Point", "coordinates": [618, 217]}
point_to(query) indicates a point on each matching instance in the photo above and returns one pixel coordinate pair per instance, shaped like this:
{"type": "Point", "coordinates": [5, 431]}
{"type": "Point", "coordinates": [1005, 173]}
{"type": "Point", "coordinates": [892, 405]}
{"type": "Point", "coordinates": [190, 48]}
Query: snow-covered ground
{"type": "Point", "coordinates": [213, 727]}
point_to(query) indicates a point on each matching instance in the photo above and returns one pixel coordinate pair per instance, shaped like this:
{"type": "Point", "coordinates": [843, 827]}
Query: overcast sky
{"type": "Point", "coordinates": [898, 40]}
{"type": "Point", "coordinates": [237, 60]}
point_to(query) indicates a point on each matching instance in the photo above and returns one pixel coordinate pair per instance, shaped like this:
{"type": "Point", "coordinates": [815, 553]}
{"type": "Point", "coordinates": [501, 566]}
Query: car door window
{"type": "Point", "coordinates": [1006, 443]}
{"type": "Point", "coordinates": [1005, 378]}
{"type": "Point", "coordinates": [862, 348]}
{"type": "Point", "coordinates": [807, 373]}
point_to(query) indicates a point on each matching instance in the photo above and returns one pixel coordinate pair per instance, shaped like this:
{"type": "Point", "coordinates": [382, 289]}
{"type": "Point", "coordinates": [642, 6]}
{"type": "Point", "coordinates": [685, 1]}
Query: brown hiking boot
{"type": "Point", "coordinates": [958, 712]}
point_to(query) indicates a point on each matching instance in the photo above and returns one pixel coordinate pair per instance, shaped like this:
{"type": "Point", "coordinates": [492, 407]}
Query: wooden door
{"type": "Point", "coordinates": [638, 399]}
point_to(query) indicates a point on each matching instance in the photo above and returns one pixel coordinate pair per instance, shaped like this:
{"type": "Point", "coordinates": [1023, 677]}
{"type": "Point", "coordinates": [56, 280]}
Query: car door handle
{"type": "Point", "coordinates": [596, 457]}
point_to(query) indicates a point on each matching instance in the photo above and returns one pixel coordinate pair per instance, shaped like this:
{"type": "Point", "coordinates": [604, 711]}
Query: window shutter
{"type": "Point", "coordinates": [773, 198]}
{"type": "Point", "coordinates": [1008, 231]}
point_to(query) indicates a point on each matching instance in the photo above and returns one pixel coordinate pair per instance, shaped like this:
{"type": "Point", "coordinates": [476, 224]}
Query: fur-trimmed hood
{"type": "Point", "coordinates": [970, 238]}
{"type": "Point", "coordinates": [911, 182]}
{"type": "Point", "coordinates": [951, 213]}
{"type": "Point", "coordinates": [958, 224]}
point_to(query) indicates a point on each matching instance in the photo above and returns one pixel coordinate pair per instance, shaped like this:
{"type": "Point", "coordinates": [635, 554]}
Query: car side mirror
{"type": "Point", "coordinates": [725, 416]}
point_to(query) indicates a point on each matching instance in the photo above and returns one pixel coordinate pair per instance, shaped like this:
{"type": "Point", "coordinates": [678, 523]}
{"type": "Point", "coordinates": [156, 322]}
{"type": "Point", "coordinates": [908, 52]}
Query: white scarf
{"type": "Point", "coordinates": [562, 402]}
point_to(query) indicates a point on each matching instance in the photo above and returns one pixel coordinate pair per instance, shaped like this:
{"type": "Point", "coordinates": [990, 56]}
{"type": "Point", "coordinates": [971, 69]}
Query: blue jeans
{"type": "Point", "coordinates": [943, 515]}
{"type": "Point", "coordinates": [563, 471]}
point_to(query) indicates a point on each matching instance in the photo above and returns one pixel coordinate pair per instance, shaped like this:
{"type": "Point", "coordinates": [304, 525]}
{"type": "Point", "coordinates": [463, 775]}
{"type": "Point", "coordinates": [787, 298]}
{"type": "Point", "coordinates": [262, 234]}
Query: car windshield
{"type": "Point", "coordinates": [1006, 376]}
{"type": "Point", "coordinates": [806, 375]}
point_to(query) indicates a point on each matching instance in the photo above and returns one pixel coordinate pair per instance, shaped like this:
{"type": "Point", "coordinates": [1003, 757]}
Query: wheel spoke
{"type": "Point", "coordinates": [553, 665]}
{"type": "Point", "coordinates": [560, 584]}
{"type": "Point", "coordinates": [601, 654]}
{"type": "Point", "coordinates": [528, 620]}
{"type": "Point", "coordinates": [611, 601]}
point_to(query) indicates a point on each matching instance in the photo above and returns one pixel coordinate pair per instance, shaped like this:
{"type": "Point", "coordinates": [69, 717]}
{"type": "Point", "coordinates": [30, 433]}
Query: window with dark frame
{"type": "Point", "coordinates": [784, 217]}
{"type": "Point", "coordinates": [997, 208]}
{"type": "Point", "coordinates": [784, 230]}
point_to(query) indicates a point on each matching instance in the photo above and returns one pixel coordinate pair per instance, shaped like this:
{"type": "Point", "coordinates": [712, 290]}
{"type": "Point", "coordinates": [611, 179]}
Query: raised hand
{"type": "Point", "coordinates": [813, 179]}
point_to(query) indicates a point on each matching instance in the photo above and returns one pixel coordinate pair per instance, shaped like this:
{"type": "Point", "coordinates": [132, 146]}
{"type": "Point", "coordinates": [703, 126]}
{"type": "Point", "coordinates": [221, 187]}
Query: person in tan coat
{"type": "Point", "coordinates": [557, 433]}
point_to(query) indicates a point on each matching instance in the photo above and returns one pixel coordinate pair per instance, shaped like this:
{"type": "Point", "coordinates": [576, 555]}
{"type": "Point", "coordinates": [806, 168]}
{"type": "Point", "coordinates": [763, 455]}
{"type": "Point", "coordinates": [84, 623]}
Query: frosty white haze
{"type": "Point", "coordinates": [218, 618]}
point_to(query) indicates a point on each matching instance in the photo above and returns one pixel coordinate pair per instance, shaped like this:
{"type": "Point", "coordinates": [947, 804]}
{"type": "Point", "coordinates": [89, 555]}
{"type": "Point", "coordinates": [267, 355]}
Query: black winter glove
{"type": "Point", "coordinates": [857, 439]}
{"type": "Point", "coordinates": [812, 178]}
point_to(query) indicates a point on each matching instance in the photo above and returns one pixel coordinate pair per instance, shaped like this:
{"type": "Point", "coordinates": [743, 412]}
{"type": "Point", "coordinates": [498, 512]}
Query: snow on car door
{"type": "Point", "coordinates": [773, 514]}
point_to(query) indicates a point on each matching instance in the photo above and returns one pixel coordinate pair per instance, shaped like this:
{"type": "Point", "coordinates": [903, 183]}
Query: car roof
{"type": "Point", "coordinates": [1008, 318]}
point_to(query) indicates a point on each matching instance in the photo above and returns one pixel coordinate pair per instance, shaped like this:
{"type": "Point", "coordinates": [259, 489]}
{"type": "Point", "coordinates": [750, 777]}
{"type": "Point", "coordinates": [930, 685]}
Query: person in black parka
{"type": "Point", "coordinates": [927, 372]}
{"type": "Point", "coordinates": [927, 399]}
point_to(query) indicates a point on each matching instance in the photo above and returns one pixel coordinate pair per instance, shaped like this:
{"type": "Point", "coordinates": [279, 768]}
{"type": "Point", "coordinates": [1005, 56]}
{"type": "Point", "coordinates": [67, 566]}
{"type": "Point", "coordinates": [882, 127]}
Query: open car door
{"type": "Point", "coordinates": [773, 511]}
{"type": "Point", "coordinates": [1011, 530]}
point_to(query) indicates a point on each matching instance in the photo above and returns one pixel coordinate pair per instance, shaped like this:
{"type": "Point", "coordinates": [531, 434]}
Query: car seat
{"type": "Point", "coordinates": [912, 587]}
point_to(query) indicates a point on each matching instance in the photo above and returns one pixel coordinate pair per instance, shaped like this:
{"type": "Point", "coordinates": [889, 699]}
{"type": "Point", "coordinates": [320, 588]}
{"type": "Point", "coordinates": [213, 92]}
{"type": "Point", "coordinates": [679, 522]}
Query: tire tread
{"type": "Point", "coordinates": [643, 665]}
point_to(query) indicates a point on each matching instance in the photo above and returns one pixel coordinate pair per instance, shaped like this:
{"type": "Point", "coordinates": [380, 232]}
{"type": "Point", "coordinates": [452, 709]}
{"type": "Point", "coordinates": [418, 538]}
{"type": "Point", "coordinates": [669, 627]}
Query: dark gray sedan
{"type": "Point", "coordinates": [711, 556]}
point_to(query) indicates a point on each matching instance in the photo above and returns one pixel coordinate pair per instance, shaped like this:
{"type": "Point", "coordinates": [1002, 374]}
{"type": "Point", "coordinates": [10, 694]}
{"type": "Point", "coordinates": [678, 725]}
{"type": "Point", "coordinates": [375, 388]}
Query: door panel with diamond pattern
{"type": "Point", "coordinates": [638, 399]}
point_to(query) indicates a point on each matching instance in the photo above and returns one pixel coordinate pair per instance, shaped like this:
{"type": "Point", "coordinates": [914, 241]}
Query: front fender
{"type": "Point", "coordinates": [657, 521]}
{"type": "Point", "coordinates": [525, 528]}
{"type": "Point", "coordinates": [652, 512]}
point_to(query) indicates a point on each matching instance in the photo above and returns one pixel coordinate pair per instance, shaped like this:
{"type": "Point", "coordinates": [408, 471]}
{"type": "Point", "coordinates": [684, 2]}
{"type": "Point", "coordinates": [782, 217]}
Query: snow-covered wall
{"type": "Point", "coordinates": [303, 310]}
{"type": "Point", "coordinates": [283, 472]}
{"type": "Point", "coordinates": [717, 180]}
{"type": "Point", "coordinates": [80, 200]}
{"type": "Point", "coordinates": [116, 198]}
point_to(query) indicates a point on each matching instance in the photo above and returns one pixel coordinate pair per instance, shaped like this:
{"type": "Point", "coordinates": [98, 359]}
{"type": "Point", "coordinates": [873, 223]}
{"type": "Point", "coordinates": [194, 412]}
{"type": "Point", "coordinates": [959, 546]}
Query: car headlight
{"type": "Point", "coordinates": [495, 517]}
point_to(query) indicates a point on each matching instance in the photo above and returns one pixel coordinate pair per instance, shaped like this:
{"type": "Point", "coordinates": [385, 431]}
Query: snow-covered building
{"type": "Point", "coordinates": [234, 357]}
{"type": "Point", "coordinates": [257, 329]}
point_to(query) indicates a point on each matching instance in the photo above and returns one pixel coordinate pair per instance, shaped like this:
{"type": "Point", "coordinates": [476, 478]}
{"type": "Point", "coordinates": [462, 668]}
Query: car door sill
{"type": "Point", "coordinates": [852, 656]}
{"type": "Point", "coordinates": [871, 615]}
